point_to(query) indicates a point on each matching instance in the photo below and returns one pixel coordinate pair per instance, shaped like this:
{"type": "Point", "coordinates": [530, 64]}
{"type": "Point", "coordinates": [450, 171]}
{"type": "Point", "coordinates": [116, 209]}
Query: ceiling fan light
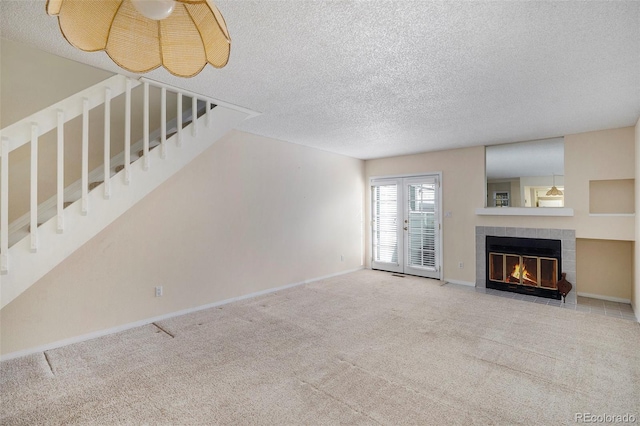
{"type": "Point", "coordinates": [155, 9]}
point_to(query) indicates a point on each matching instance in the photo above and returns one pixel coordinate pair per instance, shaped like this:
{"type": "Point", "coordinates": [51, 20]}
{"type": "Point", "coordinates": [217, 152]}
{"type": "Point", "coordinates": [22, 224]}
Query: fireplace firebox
{"type": "Point", "coordinates": [524, 265]}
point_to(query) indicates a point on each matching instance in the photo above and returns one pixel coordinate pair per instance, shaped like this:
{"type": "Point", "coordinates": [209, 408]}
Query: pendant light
{"type": "Point", "coordinates": [141, 35]}
{"type": "Point", "coordinates": [554, 191]}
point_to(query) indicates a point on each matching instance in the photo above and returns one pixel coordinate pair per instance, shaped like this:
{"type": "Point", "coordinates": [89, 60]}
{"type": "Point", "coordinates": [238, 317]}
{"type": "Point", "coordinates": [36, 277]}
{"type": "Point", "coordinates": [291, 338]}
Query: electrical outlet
{"type": "Point", "coordinates": [159, 291]}
{"type": "Point", "coordinates": [460, 265]}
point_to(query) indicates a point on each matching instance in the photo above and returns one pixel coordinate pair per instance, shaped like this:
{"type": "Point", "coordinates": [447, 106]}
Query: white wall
{"type": "Point", "coordinates": [249, 214]}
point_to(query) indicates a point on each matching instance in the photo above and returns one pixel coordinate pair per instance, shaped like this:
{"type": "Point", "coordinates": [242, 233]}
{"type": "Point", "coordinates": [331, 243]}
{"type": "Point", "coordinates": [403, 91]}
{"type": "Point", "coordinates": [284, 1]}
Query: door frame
{"type": "Point", "coordinates": [440, 234]}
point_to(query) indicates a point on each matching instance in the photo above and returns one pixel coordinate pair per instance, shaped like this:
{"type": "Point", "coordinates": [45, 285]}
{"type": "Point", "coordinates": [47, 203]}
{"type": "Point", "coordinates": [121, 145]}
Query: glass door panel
{"type": "Point", "coordinates": [385, 233]}
{"type": "Point", "coordinates": [405, 225]}
{"type": "Point", "coordinates": [422, 223]}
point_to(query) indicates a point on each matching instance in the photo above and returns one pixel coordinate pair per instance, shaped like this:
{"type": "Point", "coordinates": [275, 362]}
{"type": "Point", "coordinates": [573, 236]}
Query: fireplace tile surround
{"type": "Point", "coordinates": [566, 236]}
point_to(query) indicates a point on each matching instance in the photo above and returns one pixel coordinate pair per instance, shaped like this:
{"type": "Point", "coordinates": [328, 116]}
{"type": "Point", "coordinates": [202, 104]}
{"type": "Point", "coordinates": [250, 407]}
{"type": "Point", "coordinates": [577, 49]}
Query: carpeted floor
{"type": "Point", "coordinates": [359, 349]}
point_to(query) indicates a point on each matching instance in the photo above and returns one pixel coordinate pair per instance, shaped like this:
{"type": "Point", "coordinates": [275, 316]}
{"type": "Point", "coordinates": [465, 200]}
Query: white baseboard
{"type": "Point", "coordinates": [467, 283]}
{"type": "Point", "coordinates": [635, 311]}
{"type": "Point", "coordinates": [607, 298]}
{"type": "Point", "coordinates": [124, 327]}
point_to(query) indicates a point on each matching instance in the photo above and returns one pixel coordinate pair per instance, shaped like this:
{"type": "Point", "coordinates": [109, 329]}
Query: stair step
{"type": "Point", "coordinates": [29, 227]}
{"type": "Point", "coordinates": [119, 168]}
{"type": "Point", "coordinates": [67, 204]}
{"type": "Point", "coordinates": [141, 152]}
{"type": "Point", "coordinates": [94, 185]}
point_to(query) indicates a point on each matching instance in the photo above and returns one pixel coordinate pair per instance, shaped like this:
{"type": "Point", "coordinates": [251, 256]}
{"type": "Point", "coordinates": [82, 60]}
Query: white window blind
{"type": "Point", "coordinates": [385, 223]}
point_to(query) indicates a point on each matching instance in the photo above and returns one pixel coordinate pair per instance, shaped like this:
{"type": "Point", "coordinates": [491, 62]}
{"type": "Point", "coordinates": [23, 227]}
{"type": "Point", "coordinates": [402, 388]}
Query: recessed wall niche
{"type": "Point", "coordinates": [605, 268]}
{"type": "Point", "coordinates": [615, 196]}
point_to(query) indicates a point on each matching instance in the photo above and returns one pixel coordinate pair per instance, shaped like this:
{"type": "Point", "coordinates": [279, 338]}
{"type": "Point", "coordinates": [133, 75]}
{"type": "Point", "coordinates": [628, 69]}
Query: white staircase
{"type": "Point", "coordinates": [32, 245]}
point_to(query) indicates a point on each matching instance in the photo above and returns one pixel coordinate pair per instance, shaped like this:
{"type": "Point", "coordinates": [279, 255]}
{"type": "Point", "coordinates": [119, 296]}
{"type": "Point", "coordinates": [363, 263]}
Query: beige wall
{"type": "Point", "coordinates": [516, 198]}
{"type": "Point", "coordinates": [462, 191]}
{"type": "Point", "coordinates": [249, 214]}
{"type": "Point", "coordinates": [605, 267]}
{"type": "Point", "coordinates": [601, 155]}
{"type": "Point", "coordinates": [31, 80]}
{"type": "Point", "coordinates": [614, 196]}
{"type": "Point", "coordinates": [635, 294]}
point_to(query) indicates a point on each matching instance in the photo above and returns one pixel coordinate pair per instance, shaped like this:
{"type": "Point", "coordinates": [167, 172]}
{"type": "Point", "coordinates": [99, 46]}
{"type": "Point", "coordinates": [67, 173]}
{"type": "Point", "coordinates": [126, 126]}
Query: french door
{"type": "Point", "coordinates": [405, 225]}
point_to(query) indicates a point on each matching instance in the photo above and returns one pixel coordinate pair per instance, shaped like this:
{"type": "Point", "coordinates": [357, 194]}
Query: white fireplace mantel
{"type": "Point", "coordinates": [524, 211]}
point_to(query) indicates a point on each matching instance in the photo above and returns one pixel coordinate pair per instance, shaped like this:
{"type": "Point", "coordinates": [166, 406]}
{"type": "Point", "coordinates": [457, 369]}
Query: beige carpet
{"type": "Point", "coordinates": [364, 348]}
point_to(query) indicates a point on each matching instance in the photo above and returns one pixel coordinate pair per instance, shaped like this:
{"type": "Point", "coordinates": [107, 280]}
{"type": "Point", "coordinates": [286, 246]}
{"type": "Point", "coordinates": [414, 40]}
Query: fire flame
{"type": "Point", "coordinates": [519, 272]}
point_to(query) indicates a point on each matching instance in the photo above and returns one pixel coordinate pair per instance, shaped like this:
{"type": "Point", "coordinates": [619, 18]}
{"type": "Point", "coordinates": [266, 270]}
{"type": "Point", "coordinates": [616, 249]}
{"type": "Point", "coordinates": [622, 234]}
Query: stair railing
{"type": "Point", "coordinates": [31, 128]}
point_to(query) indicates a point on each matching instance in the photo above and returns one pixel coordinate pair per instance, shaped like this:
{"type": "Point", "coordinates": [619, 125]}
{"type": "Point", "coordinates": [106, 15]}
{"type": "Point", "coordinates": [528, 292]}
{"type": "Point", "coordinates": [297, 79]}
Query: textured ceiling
{"type": "Point", "coordinates": [373, 79]}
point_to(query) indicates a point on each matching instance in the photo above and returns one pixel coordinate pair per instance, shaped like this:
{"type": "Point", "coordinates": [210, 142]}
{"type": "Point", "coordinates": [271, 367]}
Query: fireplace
{"type": "Point", "coordinates": [524, 265]}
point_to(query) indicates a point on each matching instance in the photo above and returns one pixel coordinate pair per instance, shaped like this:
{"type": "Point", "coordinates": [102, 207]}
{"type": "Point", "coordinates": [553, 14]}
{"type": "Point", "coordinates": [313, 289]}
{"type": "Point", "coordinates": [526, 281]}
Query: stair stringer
{"type": "Point", "coordinates": [26, 268]}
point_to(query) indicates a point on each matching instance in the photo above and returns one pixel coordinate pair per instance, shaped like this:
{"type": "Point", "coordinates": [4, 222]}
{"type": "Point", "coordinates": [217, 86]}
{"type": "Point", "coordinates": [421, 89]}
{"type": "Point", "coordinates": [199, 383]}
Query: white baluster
{"type": "Point", "coordinates": [194, 116]}
{"type": "Point", "coordinates": [34, 188]}
{"type": "Point", "coordinates": [60, 172]}
{"type": "Point", "coordinates": [163, 123]}
{"type": "Point", "coordinates": [4, 207]}
{"type": "Point", "coordinates": [179, 119]}
{"type": "Point", "coordinates": [145, 159]}
{"type": "Point", "coordinates": [107, 143]}
{"type": "Point", "coordinates": [127, 132]}
{"type": "Point", "coordinates": [85, 156]}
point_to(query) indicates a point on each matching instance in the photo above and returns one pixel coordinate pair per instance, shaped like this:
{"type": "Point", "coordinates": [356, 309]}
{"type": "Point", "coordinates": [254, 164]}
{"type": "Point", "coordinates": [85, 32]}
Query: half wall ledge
{"type": "Point", "coordinates": [524, 211]}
